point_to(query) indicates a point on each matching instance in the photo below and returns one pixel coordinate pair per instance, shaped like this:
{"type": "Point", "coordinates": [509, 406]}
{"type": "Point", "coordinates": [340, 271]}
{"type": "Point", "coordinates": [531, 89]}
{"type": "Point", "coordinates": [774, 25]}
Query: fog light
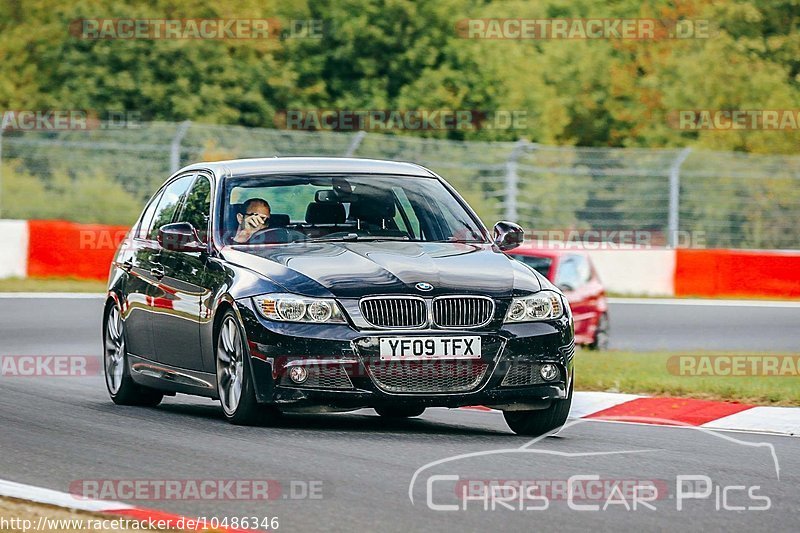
{"type": "Point", "coordinates": [549, 372]}
{"type": "Point", "coordinates": [298, 374]}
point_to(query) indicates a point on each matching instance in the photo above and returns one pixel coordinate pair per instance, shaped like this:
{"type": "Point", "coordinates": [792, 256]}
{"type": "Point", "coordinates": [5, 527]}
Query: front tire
{"type": "Point", "coordinates": [121, 387]}
{"type": "Point", "coordinates": [601, 334]}
{"type": "Point", "coordinates": [234, 379]}
{"type": "Point", "coordinates": [540, 422]}
{"type": "Point", "coordinates": [399, 412]}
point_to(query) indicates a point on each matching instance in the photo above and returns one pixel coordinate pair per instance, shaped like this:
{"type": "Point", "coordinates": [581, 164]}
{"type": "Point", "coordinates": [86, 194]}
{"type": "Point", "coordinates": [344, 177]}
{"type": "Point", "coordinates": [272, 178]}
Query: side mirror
{"type": "Point", "coordinates": [566, 287]}
{"type": "Point", "coordinates": [508, 235]}
{"type": "Point", "coordinates": [180, 237]}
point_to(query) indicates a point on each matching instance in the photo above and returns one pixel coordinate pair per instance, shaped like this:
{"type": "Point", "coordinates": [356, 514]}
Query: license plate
{"type": "Point", "coordinates": [421, 348]}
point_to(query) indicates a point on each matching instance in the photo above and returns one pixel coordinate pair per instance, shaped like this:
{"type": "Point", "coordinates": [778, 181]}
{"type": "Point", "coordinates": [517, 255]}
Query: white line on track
{"type": "Point", "coordinates": [21, 491]}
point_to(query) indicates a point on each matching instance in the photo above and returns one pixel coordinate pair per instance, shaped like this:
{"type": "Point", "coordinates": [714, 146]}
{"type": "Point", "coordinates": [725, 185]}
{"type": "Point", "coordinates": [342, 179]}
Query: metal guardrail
{"type": "Point", "coordinates": [681, 197]}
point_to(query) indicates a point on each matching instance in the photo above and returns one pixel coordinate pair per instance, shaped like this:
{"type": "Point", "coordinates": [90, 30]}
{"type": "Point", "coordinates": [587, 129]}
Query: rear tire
{"type": "Point", "coordinates": [121, 387]}
{"type": "Point", "coordinates": [399, 412]}
{"type": "Point", "coordinates": [540, 422]}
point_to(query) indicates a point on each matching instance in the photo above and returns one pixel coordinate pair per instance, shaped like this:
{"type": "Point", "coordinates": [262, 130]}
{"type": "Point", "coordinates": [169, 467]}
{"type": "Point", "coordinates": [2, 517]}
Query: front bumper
{"type": "Point", "coordinates": [345, 371]}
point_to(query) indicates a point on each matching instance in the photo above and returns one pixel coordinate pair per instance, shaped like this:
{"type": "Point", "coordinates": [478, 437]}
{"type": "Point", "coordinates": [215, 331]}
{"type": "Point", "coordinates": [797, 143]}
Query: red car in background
{"type": "Point", "coordinates": [572, 271]}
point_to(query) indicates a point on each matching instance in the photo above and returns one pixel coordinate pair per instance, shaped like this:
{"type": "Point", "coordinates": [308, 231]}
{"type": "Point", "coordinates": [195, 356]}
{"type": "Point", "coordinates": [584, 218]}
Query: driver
{"type": "Point", "coordinates": [255, 218]}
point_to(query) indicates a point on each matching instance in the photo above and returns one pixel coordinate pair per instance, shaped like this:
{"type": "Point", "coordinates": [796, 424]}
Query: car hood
{"type": "Point", "coordinates": [353, 269]}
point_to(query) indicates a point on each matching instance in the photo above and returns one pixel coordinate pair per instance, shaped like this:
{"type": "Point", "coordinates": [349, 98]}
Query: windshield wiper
{"type": "Point", "coordinates": [352, 237]}
{"type": "Point", "coordinates": [460, 241]}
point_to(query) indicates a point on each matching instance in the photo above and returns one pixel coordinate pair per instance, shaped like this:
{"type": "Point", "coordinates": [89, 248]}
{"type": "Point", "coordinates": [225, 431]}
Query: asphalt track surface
{"type": "Point", "coordinates": [57, 431]}
{"type": "Point", "coordinates": [72, 325]}
{"type": "Point", "coordinates": [753, 326]}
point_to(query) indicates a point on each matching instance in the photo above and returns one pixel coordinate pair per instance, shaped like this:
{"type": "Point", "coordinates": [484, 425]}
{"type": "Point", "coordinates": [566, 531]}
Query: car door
{"type": "Point", "coordinates": [158, 301]}
{"type": "Point", "coordinates": [136, 259]}
{"type": "Point", "coordinates": [177, 325]}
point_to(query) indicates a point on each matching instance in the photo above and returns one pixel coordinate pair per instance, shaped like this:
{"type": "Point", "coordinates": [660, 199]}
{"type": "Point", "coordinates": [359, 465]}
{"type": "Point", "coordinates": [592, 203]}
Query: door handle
{"type": "Point", "coordinates": [157, 272]}
{"type": "Point", "coordinates": [127, 265]}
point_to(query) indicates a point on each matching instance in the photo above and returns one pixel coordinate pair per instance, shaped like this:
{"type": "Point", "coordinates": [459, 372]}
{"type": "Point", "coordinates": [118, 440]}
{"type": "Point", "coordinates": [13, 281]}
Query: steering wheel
{"type": "Point", "coordinates": [276, 236]}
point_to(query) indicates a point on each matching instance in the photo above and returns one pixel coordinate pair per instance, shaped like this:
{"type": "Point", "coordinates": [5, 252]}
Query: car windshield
{"type": "Point", "coordinates": [538, 263]}
{"type": "Point", "coordinates": [281, 209]}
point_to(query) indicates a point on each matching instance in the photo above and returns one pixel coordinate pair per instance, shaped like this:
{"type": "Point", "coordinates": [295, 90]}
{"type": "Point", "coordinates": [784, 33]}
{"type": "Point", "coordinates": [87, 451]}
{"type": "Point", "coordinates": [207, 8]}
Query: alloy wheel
{"type": "Point", "coordinates": [115, 350]}
{"type": "Point", "coordinates": [230, 365]}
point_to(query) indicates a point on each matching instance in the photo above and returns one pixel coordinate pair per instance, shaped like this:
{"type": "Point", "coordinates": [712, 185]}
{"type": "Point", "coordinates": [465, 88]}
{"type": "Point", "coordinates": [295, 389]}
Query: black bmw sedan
{"type": "Point", "coordinates": [324, 284]}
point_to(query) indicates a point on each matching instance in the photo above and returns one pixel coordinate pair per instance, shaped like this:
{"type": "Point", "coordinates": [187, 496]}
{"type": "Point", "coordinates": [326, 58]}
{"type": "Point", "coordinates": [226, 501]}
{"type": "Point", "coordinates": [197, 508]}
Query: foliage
{"type": "Point", "coordinates": [89, 198]}
{"type": "Point", "coordinates": [401, 54]}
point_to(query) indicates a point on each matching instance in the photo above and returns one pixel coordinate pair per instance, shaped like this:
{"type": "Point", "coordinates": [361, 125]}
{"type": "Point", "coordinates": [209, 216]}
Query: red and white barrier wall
{"type": "Point", "coordinates": [53, 248]}
{"type": "Point", "coordinates": [737, 273]}
{"type": "Point", "coordinates": [13, 248]}
{"type": "Point", "coordinates": [48, 248]}
{"type": "Point", "coordinates": [696, 272]}
{"type": "Point", "coordinates": [67, 249]}
{"type": "Point", "coordinates": [640, 272]}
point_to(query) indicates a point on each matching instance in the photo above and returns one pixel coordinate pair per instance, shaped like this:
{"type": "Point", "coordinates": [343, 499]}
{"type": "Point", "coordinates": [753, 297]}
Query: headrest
{"type": "Point", "coordinates": [373, 208]}
{"type": "Point", "coordinates": [325, 213]}
{"type": "Point", "coordinates": [278, 220]}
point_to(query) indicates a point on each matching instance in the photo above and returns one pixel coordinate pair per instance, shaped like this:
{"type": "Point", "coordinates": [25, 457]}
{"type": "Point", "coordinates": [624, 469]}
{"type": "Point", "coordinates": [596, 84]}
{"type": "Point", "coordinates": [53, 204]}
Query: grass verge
{"type": "Point", "coordinates": [656, 374]}
{"type": "Point", "coordinates": [51, 285]}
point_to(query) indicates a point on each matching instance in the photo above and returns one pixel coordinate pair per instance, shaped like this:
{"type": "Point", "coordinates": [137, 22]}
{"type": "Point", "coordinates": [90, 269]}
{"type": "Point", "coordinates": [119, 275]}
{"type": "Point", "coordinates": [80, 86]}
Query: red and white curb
{"type": "Point", "coordinates": [11, 489]}
{"type": "Point", "coordinates": [608, 406]}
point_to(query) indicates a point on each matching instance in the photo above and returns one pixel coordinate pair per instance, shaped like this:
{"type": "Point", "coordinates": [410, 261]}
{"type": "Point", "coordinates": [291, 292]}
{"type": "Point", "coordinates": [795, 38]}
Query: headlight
{"type": "Point", "coordinates": [294, 308]}
{"type": "Point", "coordinates": [544, 305]}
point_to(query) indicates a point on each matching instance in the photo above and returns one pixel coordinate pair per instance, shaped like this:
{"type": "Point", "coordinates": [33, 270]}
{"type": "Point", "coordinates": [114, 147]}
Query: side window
{"type": "Point", "coordinates": [170, 199]}
{"type": "Point", "coordinates": [584, 270]}
{"type": "Point", "coordinates": [568, 275]}
{"type": "Point", "coordinates": [197, 207]}
{"type": "Point", "coordinates": [147, 217]}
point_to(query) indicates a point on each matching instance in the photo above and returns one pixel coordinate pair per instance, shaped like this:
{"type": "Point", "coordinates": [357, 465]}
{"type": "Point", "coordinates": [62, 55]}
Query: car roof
{"type": "Point", "coordinates": [321, 165]}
